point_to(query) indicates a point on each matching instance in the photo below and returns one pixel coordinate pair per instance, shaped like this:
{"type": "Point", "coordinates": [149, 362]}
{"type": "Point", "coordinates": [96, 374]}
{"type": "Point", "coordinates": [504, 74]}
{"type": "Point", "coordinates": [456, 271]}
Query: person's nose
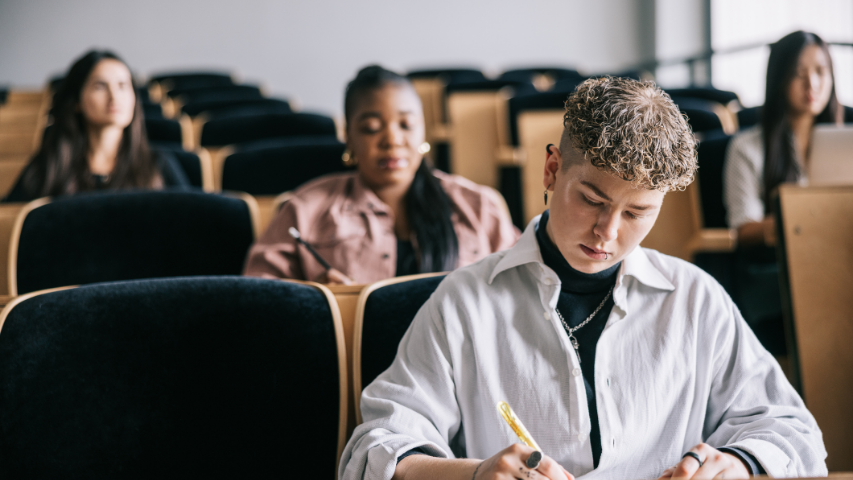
{"type": "Point", "coordinates": [607, 227]}
{"type": "Point", "coordinates": [394, 136]}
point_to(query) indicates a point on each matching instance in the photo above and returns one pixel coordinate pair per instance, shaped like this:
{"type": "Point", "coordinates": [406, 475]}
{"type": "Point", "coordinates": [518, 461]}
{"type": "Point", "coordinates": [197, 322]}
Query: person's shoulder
{"type": "Point", "coordinates": [747, 139]}
{"type": "Point", "coordinates": [473, 279]}
{"type": "Point", "coordinates": [460, 187]}
{"type": "Point", "coordinates": [682, 274]}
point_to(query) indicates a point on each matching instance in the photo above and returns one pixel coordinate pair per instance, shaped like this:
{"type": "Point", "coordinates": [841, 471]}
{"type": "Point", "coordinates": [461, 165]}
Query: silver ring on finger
{"type": "Point", "coordinates": [694, 455]}
{"type": "Point", "coordinates": [534, 459]}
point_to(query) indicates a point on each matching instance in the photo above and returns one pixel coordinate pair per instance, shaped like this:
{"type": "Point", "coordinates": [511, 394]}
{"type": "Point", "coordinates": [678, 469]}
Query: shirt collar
{"type": "Point", "coordinates": [362, 198]}
{"type": "Point", "coordinates": [636, 265]}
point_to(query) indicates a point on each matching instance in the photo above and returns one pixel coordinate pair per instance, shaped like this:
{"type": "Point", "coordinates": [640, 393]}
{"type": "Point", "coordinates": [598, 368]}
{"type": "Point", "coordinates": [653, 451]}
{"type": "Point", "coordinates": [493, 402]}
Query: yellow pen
{"type": "Point", "coordinates": [516, 426]}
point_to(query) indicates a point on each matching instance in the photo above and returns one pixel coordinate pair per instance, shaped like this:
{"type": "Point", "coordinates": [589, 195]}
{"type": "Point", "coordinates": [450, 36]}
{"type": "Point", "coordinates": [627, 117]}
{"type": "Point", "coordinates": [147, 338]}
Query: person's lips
{"type": "Point", "coordinates": [393, 163]}
{"type": "Point", "coordinates": [595, 253]}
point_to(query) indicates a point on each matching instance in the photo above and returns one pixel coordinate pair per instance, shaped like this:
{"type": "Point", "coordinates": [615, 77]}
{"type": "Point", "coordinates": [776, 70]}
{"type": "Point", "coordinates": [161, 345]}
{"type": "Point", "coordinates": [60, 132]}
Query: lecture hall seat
{"type": "Point", "coordinates": [197, 377]}
{"type": "Point", "coordinates": [124, 235]}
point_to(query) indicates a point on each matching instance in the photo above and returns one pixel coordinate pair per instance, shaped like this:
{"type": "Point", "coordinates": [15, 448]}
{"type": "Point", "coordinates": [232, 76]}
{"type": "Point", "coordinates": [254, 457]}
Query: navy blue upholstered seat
{"type": "Point", "coordinates": [723, 97]}
{"type": "Point", "coordinates": [187, 95]}
{"type": "Point", "coordinates": [712, 160]}
{"type": "Point", "coordinates": [225, 107]}
{"type": "Point", "coordinates": [449, 75]}
{"type": "Point", "coordinates": [101, 237]}
{"type": "Point", "coordinates": [189, 161]}
{"type": "Point", "coordinates": [521, 87]}
{"type": "Point", "coordinates": [227, 131]}
{"type": "Point", "coordinates": [193, 79]}
{"type": "Point", "coordinates": [528, 74]}
{"type": "Point", "coordinates": [748, 117]}
{"type": "Point", "coordinates": [273, 167]}
{"type": "Point", "coordinates": [165, 131]}
{"type": "Point", "coordinates": [700, 113]}
{"type": "Point", "coordinates": [152, 110]}
{"type": "Point", "coordinates": [386, 315]}
{"type": "Point", "coordinates": [197, 377]}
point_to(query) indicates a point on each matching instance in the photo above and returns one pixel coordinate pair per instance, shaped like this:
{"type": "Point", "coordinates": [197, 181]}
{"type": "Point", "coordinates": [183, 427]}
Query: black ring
{"type": "Point", "coordinates": [548, 148]}
{"type": "Point", "coordinates": [534, 459]}
{"type": "Point", "coordinates": [694, 455]}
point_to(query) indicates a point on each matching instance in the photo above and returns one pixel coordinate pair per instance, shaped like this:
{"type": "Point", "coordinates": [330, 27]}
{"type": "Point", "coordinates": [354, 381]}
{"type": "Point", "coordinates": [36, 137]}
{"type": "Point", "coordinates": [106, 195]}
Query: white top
{"type": "Point", "coordinates": [675, 365]}
{"type": "Point", "coordinates": [744, 178]}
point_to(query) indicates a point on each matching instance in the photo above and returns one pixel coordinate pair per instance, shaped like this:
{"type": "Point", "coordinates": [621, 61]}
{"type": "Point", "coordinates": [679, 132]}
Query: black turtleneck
{"type": "Point", "coordinates": [580, 294]}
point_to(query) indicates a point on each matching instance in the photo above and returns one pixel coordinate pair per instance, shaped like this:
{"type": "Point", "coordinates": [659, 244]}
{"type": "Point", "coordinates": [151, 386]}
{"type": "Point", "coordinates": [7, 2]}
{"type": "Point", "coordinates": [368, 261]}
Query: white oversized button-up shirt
{"type": "Point", "coordinates": [676, 365]}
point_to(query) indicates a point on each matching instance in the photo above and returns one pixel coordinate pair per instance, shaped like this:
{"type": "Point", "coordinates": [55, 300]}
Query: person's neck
{"type": "Point", "coordinates": [104, 143]}
{"type": "Point", "coordinates": [801, 127]}
{"type": "Point", "coordinates": [395, 197]}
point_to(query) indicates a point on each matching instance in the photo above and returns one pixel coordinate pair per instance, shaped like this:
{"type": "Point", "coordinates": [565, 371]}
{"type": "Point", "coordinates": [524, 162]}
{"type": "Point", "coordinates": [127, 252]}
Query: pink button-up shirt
{"type": "Point", "coordinates": [353, 230]}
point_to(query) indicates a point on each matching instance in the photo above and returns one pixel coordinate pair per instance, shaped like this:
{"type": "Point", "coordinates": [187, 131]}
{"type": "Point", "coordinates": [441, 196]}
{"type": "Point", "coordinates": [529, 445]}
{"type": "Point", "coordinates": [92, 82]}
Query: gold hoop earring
{"type": "Point", "coordinates": [424, 148]}
{"type": "Point", "coordinates": [348, 159]}
{"type": "Point", "coordinates": [546, 195]}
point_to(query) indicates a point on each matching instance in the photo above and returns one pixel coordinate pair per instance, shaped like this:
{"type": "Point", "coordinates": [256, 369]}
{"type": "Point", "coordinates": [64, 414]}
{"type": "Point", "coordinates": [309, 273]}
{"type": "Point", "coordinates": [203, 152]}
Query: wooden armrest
{"type": "Point", "coordinates": [510, 156]}
{"type": "Point", "coordinates": [713, 240]}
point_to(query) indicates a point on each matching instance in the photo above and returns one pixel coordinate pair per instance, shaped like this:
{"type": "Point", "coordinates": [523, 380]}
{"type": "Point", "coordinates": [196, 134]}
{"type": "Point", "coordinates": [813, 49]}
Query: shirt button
{"type": "Point", "coordinates": [547, 315]}
{"type": "Point", "coordinates": [386, 256]}
{"type": "Point", "coordinates": [576, 372]}
{"type": "Point", "coordinates": [581, 437]}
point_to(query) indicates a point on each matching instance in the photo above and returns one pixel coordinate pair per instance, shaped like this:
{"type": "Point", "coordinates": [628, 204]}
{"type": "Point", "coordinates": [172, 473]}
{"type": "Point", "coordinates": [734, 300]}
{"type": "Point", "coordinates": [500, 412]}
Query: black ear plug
{"type": "Point", "coordinates": [548, 148]}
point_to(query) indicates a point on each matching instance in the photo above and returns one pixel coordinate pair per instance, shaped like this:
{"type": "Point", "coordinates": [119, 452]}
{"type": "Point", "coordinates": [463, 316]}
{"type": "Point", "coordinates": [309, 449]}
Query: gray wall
{"type": "Point", "coordinates": [309, 49]}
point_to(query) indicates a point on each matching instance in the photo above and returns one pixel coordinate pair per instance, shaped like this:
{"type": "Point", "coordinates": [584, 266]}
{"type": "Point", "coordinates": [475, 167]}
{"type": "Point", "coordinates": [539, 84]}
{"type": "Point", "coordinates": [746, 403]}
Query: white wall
{"type": "Point", "coordinates": [311, 48]}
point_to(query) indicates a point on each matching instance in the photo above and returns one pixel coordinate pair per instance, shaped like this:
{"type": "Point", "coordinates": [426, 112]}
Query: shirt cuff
{"type": "Point", "coordinates": [752, 464]}
{"type": "Point", "coordinates": [414, 451]}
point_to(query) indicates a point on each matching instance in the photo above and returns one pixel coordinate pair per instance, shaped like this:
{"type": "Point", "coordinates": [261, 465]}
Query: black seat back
{"type": "Point", "coordinates": [273, 167]}
{"type": "Point", "coordinates": [712, 160]}
{"type": "Point", "coordinates": [100, 237]}
{"type": "Point", "coordinates": [388, 312]}
{"type": "Point", "coordinates": [234, 130]}
{"type": "Point", "coordinates": [199, 377]}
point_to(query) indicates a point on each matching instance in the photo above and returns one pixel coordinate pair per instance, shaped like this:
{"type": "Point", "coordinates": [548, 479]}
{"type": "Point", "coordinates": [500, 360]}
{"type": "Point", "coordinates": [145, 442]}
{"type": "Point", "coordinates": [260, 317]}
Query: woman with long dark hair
{"type": "Point", "coordinates": [394, 215]}
{"type": "Point", "coordinates": [800, 93]}
{"type": "Point", "coordinates": [97, 140]}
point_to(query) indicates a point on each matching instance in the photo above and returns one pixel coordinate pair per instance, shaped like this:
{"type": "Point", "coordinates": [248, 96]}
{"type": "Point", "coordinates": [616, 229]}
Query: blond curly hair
{"type": "Point", "coordinates": [631, 129]}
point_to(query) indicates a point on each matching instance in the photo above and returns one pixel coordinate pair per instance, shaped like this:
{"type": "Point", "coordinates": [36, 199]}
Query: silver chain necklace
{"type": "Point", "coordinates": [571, 331]}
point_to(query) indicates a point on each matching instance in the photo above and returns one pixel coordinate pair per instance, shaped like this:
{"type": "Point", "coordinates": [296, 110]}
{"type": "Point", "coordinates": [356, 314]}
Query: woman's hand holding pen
{"type": "Point", "coordinates": [334, 277]}
{"type": "Point", "coordinates": [511, 463]}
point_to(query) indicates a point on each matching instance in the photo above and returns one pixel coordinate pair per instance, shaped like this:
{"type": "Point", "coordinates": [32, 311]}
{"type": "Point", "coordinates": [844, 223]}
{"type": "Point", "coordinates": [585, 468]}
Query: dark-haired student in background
{"type": "Point", "coordinates": [97, 140]}
{"type": "Point", "coordinates": [800, 93]}
{"type": "Point", "coordinates": [394, 215]}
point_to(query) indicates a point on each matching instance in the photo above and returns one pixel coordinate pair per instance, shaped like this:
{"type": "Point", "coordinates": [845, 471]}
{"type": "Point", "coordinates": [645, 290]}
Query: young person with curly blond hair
{"type": "Point", "coordinates": [622, 362]}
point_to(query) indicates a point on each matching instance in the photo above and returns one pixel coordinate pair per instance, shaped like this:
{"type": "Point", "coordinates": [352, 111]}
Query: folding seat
{"type": "Point", "coordinates": [430, 86]}
{"type": "Point", "coordinates": [177, 98]}
{"type": "Point", "coordinates": [723, 97]}
{"type": "Point", "coordinates": [200, 113]}
{"type": "Point", "coordinates": [165, 132]}
{"type": "Point", "coordinates": [235, 130]}
{"type": "Point", "coordinates": [110, 236]}
{"type": "Point", "coordinates": [268, 169]}
{"type": "Point", "coordinates": [748, 117]}
{"type": "Point", "coordinates": [152, 110]}
{"type": "Point", "coordinates": [208, 377]}
{"type": "Point", "coordinates": [814, 226]}
{"type": "Point", "coordinates": [543, 78]}
{"type": "Point", "coordinates": [383, 314]}
{"type": "Point", "coordinates": [477, 116]}
{"type": "Point", "coordinates": [196, 165]}
{"type": "Point", "coordinates": [159, 85]}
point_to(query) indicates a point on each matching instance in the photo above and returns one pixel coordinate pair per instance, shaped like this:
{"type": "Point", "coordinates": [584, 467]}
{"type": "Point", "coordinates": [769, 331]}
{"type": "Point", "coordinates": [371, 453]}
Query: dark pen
{"type": "Point", "coordinates": [295, 234]}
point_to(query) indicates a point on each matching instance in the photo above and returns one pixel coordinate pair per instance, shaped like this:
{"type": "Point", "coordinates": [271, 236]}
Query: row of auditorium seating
{"type": "Point", "coordinates": [192, 375]}
{"type": "Point", "coordinates": [146, 364]}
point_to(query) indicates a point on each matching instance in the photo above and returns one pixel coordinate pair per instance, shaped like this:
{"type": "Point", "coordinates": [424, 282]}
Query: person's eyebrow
{"type": "Point", "coordinates": [596, 190]}
{"type": "Point", "coordinates": [369, 115]}
{"type": "Point", "coordinates": [604, 196]}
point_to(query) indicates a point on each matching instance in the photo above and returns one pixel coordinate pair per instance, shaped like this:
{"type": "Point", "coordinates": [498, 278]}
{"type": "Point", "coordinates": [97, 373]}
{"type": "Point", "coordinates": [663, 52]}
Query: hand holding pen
{"type": "Point", "coordinates": [331, 275]}
{"type": "Point", "coordinates": [522, 460]}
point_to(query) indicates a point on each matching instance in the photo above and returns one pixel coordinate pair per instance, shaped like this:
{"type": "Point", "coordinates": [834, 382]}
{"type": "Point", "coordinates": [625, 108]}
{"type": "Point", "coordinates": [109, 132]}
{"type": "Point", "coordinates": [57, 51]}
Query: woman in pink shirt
{"type": "Point", "coordinates": [394, 215]}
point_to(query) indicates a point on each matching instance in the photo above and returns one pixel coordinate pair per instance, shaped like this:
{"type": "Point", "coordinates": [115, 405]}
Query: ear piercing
{"type": "Point", "coordinates": [546, 194]}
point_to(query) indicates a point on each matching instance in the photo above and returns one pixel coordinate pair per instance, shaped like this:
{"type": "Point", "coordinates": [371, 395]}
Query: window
{"type": "Point", "coordinates": [743, 28]}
